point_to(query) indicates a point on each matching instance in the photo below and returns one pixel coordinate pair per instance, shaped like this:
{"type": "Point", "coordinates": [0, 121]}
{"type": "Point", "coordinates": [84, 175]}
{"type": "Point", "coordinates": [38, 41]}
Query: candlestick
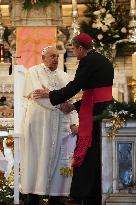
{"type": "Point", "coordinates": [75, 29]}
{"type": "Point", "coordinates": [74, 5]}
{"type": "Point", "coordinates": [1, 53]}
{"type": "Point", "coordinates": [133, 4]}
{"type": "Point", "coordinates": [134, 66]}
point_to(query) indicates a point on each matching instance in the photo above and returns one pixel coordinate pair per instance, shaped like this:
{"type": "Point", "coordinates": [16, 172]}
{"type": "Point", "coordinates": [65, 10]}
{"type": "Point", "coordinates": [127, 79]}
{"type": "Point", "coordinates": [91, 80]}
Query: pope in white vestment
{"type": "Point", "coordinates": [46, 136]}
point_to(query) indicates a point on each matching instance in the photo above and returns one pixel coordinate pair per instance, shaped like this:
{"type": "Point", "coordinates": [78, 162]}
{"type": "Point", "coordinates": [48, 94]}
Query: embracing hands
{"type": "Point", "coordinates": [67, 107]}
{"type": "Point", "coordinates": [74, 129]}
{"type": "Point", "coordinates": [41, 93]}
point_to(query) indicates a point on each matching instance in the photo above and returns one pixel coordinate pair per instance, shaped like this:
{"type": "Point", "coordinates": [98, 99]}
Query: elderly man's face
{"type": "Point", "coordinates": [51, 58]}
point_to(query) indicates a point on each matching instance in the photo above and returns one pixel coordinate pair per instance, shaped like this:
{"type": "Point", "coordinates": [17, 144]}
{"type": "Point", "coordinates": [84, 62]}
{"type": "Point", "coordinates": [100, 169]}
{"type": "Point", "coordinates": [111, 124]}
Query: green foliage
{"type": "Point", "coordinates": [39, 4]}
{"type": "Point", "coordinates": [127, 47]}
{"type": "Point", "coordinates": [119, 113]}
{"type": "Point", "coordinates": [122, 109]}
{"type": "Point", "coordinates": [105, 23]}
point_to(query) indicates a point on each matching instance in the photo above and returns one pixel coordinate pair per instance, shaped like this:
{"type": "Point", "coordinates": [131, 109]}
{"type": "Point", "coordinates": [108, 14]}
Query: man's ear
{"type": "Point", "coordinates": [43, 86]}
{"type": "Point", "coordinates": [43, 57]}
{"type": "Point", "coordinates": [81, 48]}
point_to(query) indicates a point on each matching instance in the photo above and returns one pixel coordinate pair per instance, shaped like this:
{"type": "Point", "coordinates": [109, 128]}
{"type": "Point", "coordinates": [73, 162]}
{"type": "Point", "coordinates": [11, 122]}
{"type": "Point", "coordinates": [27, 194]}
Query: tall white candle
{"type": "Point", "coordinates": [74, 5]}
{"type": "Point", "coordinates": [115, 93]}
{"type": "Point", "coordinates": [103, 2]}
{"type": "Point", "coordinates": [134, 66]}
{"type": "Point", "coordinates": [133, 4]}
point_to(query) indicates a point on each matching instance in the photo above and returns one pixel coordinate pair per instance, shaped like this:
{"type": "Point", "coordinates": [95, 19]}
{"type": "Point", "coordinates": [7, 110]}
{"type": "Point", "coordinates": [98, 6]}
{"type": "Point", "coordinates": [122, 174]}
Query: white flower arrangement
{"type": "Point", "coordinates": [105, 23]}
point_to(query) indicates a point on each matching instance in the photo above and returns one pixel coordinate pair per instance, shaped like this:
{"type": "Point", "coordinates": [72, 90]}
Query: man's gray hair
{"type": "Point", "coordinates": [45, 50]}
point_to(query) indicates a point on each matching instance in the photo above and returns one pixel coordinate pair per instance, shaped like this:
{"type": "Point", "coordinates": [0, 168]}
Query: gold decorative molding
{"type": "Point", "coordinates": [66, 12]}
{"type": "Point", "coordinates": [132, 85]}
{"type": "Point", "coordinates": [6, 112]}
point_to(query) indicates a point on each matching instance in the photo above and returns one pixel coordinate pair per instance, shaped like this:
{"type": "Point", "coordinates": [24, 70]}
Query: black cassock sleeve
{"type": "Point", "coordinates": [72, 88]}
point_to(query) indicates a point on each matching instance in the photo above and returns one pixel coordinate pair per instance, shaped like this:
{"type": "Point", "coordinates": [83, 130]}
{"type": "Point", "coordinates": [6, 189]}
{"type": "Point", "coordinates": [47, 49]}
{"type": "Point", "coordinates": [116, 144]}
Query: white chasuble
{"type": "Point", "coordinates": [44, 128]}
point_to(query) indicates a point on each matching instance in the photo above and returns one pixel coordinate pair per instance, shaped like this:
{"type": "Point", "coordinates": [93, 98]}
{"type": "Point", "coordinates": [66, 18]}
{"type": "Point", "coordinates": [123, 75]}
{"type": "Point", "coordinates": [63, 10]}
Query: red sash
{"type": "Point", "coordinates": [90, 97]}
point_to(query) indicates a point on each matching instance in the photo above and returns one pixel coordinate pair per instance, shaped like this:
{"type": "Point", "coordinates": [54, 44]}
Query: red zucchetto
{"type": "Point", "coordinates": [84, 38]}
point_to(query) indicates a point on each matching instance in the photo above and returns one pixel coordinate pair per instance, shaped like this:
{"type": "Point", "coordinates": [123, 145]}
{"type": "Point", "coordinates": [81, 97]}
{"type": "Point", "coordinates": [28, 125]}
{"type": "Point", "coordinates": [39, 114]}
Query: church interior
{"type": "Point", "coordinates": [27, 26]}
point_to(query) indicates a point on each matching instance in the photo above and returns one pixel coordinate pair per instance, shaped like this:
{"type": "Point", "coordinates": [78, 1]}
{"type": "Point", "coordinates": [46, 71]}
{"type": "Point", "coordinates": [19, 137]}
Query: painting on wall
{"type": "Point", "coordinates": [30, 41]}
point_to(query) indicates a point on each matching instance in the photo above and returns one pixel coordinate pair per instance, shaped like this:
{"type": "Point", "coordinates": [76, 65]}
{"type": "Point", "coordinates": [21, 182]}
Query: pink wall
{"type": "Point", "coordinates": [30, 41]}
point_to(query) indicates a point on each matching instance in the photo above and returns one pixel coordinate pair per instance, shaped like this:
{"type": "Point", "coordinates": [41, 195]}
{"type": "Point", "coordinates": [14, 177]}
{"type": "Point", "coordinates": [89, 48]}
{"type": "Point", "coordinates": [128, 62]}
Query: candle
{"type": "Point", "coordinates": [74, 5]}
{"type": "Point", "coordinates": [134, 66]}
{"type": "Point", "coordinates": [115, 93]}
{"type": "Point", "coordinates": [1, 53]}
{"type": "Point", "coordinates": [133, 4]}
{"type": "Point", "coordinates": [103, 3]}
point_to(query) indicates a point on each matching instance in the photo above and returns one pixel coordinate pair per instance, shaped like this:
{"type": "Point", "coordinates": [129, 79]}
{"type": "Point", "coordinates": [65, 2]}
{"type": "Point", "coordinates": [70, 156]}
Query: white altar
{"type": "Point", "coordinates": [119, 165]}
